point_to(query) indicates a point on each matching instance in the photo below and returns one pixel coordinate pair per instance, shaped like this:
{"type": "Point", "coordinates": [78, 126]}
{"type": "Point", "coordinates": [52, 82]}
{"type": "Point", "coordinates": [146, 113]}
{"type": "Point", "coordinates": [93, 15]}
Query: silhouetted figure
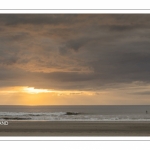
{"type": "Point", "coordinates": [146, 112]}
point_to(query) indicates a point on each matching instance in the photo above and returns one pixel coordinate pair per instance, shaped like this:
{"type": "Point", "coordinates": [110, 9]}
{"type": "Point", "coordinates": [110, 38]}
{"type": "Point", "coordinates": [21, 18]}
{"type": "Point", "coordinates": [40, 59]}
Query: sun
{"type": "Point", "coordinates": [32, 90]}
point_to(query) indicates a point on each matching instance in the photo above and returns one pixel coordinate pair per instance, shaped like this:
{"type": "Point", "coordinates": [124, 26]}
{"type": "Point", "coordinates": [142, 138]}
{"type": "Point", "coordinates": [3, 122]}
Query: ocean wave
{"type": "Point", "coordinates": [16, 118]}
{"type": "Point", "coordinates": [70, 116]}
{"type": "Point", "coordinates": [30, 114]}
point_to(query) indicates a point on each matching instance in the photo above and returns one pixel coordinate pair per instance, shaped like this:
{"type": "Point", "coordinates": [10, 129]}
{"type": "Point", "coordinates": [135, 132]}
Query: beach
{"type": "Point", "coordinates": [74, 128]}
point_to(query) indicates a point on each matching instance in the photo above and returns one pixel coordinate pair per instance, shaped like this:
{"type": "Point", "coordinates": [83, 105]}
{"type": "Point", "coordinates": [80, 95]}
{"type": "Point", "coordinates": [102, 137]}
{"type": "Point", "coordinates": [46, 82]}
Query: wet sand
{"type": "Point", "coordinates": [65, 128]}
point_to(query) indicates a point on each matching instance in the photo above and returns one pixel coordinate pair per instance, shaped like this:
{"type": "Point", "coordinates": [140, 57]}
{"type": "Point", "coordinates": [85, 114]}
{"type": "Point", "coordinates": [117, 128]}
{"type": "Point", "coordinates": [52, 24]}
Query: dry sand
{"type": "Point", "coordinates": [65, 128]}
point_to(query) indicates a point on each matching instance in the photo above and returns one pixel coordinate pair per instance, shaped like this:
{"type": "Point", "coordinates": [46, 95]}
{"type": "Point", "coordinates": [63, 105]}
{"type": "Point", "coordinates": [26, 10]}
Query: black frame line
{"type": "Point", "coordinates": [75, 140]}
{"type": "Point", "coordinates": [74, 9]}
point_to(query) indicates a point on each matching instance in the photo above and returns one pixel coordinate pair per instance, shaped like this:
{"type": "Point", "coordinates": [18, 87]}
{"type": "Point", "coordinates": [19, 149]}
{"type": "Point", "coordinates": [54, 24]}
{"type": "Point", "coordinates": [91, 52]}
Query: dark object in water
{"type": "Point", "coordinates": [71, 113]}
{"type": "Point", "coordinates": [146, 112]}
{"type": "Point", "coordinates": [7, 118]}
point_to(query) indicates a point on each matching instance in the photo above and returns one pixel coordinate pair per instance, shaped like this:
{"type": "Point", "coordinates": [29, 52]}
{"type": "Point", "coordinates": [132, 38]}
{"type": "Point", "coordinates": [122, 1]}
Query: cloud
{"type": "Point", "coordinates": [142, 93]}
{"type": "Point", "coordinates": [78, 52]}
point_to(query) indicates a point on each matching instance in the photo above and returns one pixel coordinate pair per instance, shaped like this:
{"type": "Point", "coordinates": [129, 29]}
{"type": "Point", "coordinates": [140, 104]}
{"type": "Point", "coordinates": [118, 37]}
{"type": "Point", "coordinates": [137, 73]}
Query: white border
{"type": "Point", "coordinates": [76, 138]}
{"type": "Point", "coordinates": [74, 145]}
{"type": "Point", "coordinates": [74, 4]}
{"type": "Point", "coordinates": [54, 5]}
{"type": "Point", "coordinates": [75, 11]}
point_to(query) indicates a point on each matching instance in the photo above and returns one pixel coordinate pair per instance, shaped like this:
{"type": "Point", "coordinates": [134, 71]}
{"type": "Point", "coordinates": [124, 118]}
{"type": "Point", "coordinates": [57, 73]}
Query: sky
{"type": "Point", "coordinates": [74, 59]}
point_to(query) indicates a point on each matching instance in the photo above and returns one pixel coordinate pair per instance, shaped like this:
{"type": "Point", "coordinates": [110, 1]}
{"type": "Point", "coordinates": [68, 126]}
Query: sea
{"type": "Point", "coordinates": [76, 113]}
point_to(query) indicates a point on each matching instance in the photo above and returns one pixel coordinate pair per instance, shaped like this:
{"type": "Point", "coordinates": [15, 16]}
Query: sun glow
{"type": "Point", "coordinates": [26, 95]}
{"type": "Point", "coordinates": [32, 90]}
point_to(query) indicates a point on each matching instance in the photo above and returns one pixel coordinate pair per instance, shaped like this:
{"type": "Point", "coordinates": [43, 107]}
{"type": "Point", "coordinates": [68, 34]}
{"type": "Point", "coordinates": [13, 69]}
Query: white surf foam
{"type": "Point", "coordinates": [61, 116]}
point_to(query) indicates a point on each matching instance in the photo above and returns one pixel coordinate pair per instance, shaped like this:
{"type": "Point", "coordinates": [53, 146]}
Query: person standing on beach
{"type": "Point", "coordinates": [146, 112]}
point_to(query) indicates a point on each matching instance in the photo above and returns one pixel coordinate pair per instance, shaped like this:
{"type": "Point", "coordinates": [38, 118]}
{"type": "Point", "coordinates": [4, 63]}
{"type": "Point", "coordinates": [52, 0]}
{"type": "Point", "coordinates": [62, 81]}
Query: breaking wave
{"type": "Point", "coordinates": [70, 116]}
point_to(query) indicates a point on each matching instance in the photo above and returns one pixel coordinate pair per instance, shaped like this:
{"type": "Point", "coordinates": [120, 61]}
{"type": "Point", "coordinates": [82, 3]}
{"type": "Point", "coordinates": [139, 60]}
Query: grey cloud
{"type": "Point", "coordinates": [121, 28]}
{"type": "Point", "coordinates": [69, 76]}
{"type": "Point", "coordinates": [141, 93]}
{"type": "Point", "coordinates": [74, 45]}
{"type": "Point", "coordinates": [9, 60]}
{"type": "Point", "coordinates": [74, 51]}
{"type": "Point", "coordinates": [36, 19]}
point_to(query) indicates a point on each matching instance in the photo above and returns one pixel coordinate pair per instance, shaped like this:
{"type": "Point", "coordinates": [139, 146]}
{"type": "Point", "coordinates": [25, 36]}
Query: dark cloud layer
{"type": "Point", "coordinates": [74, 51]}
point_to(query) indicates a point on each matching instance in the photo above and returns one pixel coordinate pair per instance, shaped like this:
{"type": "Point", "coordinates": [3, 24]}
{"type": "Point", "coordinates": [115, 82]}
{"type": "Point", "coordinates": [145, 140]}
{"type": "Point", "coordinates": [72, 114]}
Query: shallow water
{"type": "Point", "coordinates": [84, 113]}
